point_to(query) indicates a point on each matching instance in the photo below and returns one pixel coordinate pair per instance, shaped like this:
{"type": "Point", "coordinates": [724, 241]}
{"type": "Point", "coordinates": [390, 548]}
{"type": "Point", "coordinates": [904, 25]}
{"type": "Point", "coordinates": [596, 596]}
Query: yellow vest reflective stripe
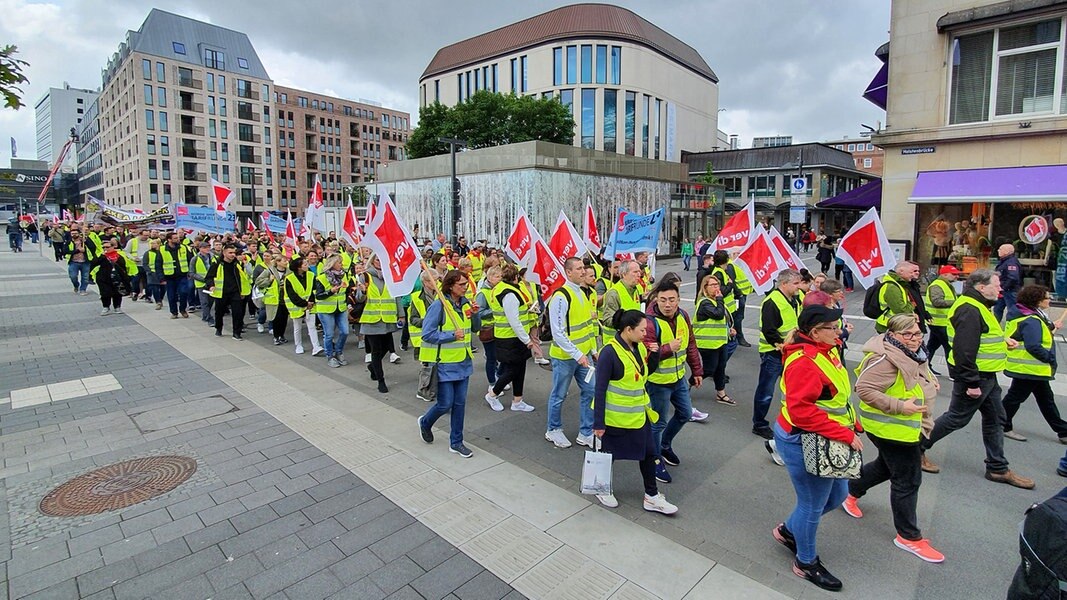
{"type": "Point", "coordinates": [898, 428]}
{"type": "Point", "coordinates": [529, 290]}
{"type": "Point", "coordinates": [726, 280]}
{"type": "Point", "coordinates": [455, 351]}
{"type": "Point", "coordinates": [626, 401]}
{"type": "Point", "coordinates": [836, 407]}
{"type": "Point", "coordinates": [220, 280]}
{"type": "Point", "coordinates": [939, 316]}
{"type": "Point", "coordinates": [168, 259]}
{"type": "Point", "coordinates": [992, 349]}
{"type": "Point", "coordinates": [741, 280]}
{"type": "Point", "coordinates": [883, 319]}
{"type": "Point", "coordinates": [417, 307]}
{"type": "Point", "coordinates": [200, 265]}
{"type": "Point", "coordinates": [710, 334]}
{"type": "Point", "coordinates": [579, 322]}
{"type": "Point", "coordinates": [380, 307]}
{"type": "Point", "coordinates": [627, 301]}
{"type": "Point", "coordinates": [1020, 361]}
{"type": "Point", "coordinates": [501, 327]}
{"type": "Point", "coordinates": [335, 302]}
{"type": "Point", "coordinates": [477, 266]}
{"type": "Point", "coordinates": [671, 369]}
{"type": "Point", "coordinates": [789, 318]}
{"type": "Point", "coordinates": [302, 289]}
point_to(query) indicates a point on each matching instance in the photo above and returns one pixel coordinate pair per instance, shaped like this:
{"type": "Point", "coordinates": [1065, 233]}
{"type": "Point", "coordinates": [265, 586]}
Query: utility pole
{"type": "Point", "coordinates": [457, 216]}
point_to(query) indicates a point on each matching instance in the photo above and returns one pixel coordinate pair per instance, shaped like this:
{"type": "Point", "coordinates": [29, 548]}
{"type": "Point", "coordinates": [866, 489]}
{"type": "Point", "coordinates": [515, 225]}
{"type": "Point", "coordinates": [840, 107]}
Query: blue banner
{"type": "Point", "coordinates": [276, 224]}
{"type": "Point", "coordinates": [203, 218]}
{"type": "Point", "coordinates": [635, 233]}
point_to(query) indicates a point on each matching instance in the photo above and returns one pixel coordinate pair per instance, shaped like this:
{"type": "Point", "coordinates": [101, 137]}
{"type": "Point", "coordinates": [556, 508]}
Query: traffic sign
{"type": "Point", "coordinates": [799, 187]}
{"type": "Point", "coordinates": [798, 214]}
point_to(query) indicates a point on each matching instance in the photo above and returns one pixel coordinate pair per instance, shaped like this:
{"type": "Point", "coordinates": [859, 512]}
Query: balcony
{"type": "Point", "coordinates": [191, 107]}
{"type": "Point", "coordinates": [192, 130]}
{"type": "Point", "coordinates": [192, 175]}
{"type": "Point", "coordinates": [191, 152]}
{"type": "Point", "coordinates": [191, 82]}
{"type": "Point", "coordinates": [253, 158]}
{"type": "Point", "coordinates": [249, 116]}
{"type": "Point", "coordinates": [247, 94]}
{"type": "Point", "coordinates": [313, 165]}
{"type": "Point", "coordinates": [255, 138]}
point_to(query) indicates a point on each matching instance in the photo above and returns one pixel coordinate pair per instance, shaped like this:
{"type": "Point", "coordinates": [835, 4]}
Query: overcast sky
{"type": "Point", "coordinates": [785, 67]}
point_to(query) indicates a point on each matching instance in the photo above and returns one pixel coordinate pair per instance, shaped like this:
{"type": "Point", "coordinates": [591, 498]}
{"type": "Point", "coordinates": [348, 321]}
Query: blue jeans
{"type": "Point", "coordinates": [739, 317]}
{"type": "Point", "coordinates": [1006, 300]}
{"type": "Point", "coordinates": [563, 370]}
{"type": "Point", "coordinates": [335, 323]}
{"type": "Point", "coordinates": [770, 371]}
{"type": "Point", "coordinates": [846, 278]}
{"type": "Point", "coordinates": [685, 261]}
{"type": "Point", "coordinates": [660, 397]}
{"type": "Point", "coordinates": [192, 294]}
{"type": "Point", "coordinates": [1063, 463]}
{"type": "Point", "coordinates": [178, 293]}
{"type": "Point", "coordinates": [490, 361]}
{"type": "Point", "coordinates": [451, 397]}
{"type": "Point", "coordinates": [15, 239]}
{"type": "Point", "coordinates": [74, 270]}
{"type": "Point", "coordinates": [816, 496]}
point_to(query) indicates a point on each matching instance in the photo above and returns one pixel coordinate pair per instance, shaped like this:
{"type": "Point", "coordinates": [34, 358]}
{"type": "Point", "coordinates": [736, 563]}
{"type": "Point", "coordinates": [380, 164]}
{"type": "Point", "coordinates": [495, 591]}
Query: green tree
{"type": "Point", "coordinates": [11, 76]}
{"type": "Point", "coordinates": [709, 178]}
{"type": "Point", "coordinates": [433, 120]}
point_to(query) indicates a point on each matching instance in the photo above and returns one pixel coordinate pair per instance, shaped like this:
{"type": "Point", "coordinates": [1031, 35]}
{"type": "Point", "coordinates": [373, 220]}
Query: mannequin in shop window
{"type": "Point", "coordinates": [940, 231]}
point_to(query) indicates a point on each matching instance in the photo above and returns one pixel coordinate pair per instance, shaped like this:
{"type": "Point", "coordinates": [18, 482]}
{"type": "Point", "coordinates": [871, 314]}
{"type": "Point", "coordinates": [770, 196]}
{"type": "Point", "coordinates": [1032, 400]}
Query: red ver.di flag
{"type": "Point", "coordinates": [222, 194]}
{"type": "Point", "coordinates": [760, 261]}
{"type": "Point", "coordinates": [866, 250]}
{"type": "Point", "coordinates": [391, 241]}
{"type": "Point", "coordinates": [520, 241]}
{"type": "Point", "coordinates": [565, 242]}
{"type": "Point", "coordinates": [590, 234]}
{"type": "Point", "coordinates": [350, 227]}
{"type": "Point", "coordinates": [545, 270]}
{"type": "Point", "coordinates": [785, 250]}
{"type": "Point", "coordinates": [736, 232]}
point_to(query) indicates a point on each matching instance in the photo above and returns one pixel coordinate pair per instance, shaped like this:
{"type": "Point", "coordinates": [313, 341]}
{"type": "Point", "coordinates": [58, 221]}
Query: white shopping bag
{"type": "Point", "coordinates": [596, 471]}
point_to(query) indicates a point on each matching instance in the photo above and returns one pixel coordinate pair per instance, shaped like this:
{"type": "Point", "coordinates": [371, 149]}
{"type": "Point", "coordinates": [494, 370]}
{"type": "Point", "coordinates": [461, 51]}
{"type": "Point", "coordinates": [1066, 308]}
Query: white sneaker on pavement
{"type": "Point", "coordinates": [542, 361]}
{"type": "Point", "coordinates": [608, 500]}
{"type": "Point", "coordinates": [698, 417]}
{"type": "Point", "coordinates": [260, 328]}
{"type": "Point", "coordinates": [772, 448]}
{"type": "Point", "coordinates": [117, 311]}
{"type": "Point", "coordinates": [394, 358]}
{"type": "Point", "coordinates": [584, 440]}
{"type": "Point", "coordinates": [494, 403]}
{"type": "Point", "coordinates": [299, 349]}
{"type": "Point", "coordinates": [317, 351]}
{"type": "Point", "coordinates": [521, 406]}
{"type": "Point", "coordinates": [366, 359]}
{"type": "Point", "coordinates": [557, 437]}
{"type": "Point", "coordinates": [105, 312]}
{"type": "Point", "coordinates": [507, 387]}
{"type": "Point", "coordinates": [658, 503]}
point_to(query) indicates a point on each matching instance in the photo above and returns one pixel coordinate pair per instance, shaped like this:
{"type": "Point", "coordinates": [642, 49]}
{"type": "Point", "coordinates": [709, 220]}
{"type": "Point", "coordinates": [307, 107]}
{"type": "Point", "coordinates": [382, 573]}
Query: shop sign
{"type": "Point", "coordinates": [1033, 229]}
{"type": "Point", "coordinates": [918, 150]}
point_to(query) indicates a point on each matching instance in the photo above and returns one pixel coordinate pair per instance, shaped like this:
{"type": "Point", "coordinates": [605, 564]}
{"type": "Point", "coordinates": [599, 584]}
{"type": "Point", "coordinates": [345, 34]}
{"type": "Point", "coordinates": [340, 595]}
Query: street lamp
{"type": "Point", "coordinates": [454, 143]}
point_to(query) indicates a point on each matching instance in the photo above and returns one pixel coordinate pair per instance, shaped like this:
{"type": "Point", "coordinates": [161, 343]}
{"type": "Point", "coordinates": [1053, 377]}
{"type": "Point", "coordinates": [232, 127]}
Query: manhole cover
{"type": "Point", "coordinates": [118, 486]}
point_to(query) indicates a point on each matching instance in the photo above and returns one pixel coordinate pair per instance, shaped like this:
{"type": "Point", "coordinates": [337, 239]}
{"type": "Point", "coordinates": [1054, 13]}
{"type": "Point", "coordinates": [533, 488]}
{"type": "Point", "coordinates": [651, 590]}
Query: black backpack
{"type": "Point", "coordinates": [1042, 575]}
{"type": "Point", "coordinates": [872, 308]}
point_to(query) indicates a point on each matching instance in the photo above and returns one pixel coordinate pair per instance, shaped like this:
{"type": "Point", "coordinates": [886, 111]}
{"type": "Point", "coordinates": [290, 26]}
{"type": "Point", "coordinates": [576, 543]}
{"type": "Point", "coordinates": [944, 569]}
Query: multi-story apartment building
{"type": "Point", "coordinates": [869, 158]}
{"type": "Point", "coordinates": [56, 113]}
{"type": "Point", "coordinates": [341, 141]}
{"type": "Point", "coordinates": [183, 101]}
{"type": "Point", "coordinates": [90, 160]}
{"type": "Point", "coordinates": [633, 88]}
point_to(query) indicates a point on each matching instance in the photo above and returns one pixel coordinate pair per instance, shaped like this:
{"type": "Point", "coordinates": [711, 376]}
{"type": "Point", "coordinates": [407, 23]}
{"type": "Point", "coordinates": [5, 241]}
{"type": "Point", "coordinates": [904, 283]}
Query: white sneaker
{"type": "Point", "coordinates": [494, 403]}
{"type": "Point", "coordinates": [542, 361]}
{"type": "Point", "coordinates": [507, 387]}
{"type": "Point", "coordinates": [772, 449]}
{"type": "Point", "coordinates": [608, 500]}
{"type": "Point", "coordinates": [556, 437]}
{"type": "Point", "coordinates": [658, 503]}
{"type": "Point", "coordinates": [698, 417]}
{"type": "Point", "coordinates": [299, 349]}
{"type": "Point", "coordinates": [317, 351]}
{"type": "Point", "coordinates": [419, 396]}
{"type": "Point", "coordinates": [117, 311]}
{"type": "Point", "coordinates": [105, 312]}
{"type": "Point", "coordinates": [584, 440]}
{"type": "Point", "coordinates": [366, 359]}
{"type": "Point", "coordinates": [521, 406]}
{"type": "Point", "coordinates": [394, 358]}
{"type": "Point", "coordinates": [260, 328]}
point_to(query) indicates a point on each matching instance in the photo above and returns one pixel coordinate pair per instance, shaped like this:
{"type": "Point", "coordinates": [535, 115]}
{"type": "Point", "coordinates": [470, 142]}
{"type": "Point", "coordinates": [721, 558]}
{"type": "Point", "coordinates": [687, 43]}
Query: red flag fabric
{"type": "Point", "coordinates": [250, 226]}
{"type": "Point", "coordinates": [372, 209]}
{"type": "Point", "coordinates": [760, 261]}
{"type": "Point", "coordinates": [736, 232]}
{"type": "Point", "coordinates": [350, 227]}
{"type": "Point", "coordinates": [520, 241]}
{"type": "Point", "coordinates": [565, 242]}
{"type": "Point", "coordinates": [316, 194]}
{"type": "Point", "coordinates": [590, 233]}
{"type": "Point", "coordinates": [290, 230]}
{"type": "Point", "coordinates": [222, 195]}
{"type": "Point", "coordinates": [544, 269]}
{"type": "Point", "coordinates": [785, 250]}
{"type": "Point", "coordinates": [392, 242]}
{"type": "Point", "coordinates": [865, 249]}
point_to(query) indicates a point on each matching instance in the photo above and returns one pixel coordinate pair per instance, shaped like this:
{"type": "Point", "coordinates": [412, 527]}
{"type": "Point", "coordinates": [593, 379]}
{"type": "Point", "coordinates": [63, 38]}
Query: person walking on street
{"type": "Point", "coordinates": [272, 282]}
{"type": "Point", "coordinates": [621, 295]}
{"type": "Point", "coordinates": [742, 288]}
{"type": "Point", "coordinates": [713, 329]}
{"type": "Point", "coordinates": [671, 333]}
{"type": "Point", "coordinates": [382, 315]}
{"type": "Point", "coordinates": [198, 268]}
{"type": "Point", "coordinates": [825, 255]}
{"type": "Point", "coordinates": [570, 315]}
{"type": "Point", "coordinates": [940, 296]}
{"type": "Point", "coordinates": [58, 238]}
{"type": "Point", "coordinates": [817, 389]}
{"type": "Point", "coordinates": [1032, 364]}
{"type": "Point", "coordinates": [897, 391]}
{"type": "Point", "coordinates": [687, 253]}
{"type": "Point", "coordinates": [300, 302]}
{"type": "Point", "coordinates": [446, 341]}
{"type": "Point", "coordinates": [79, 255]}
{"type": "Point", "coordinates": [153, 275]}
{"type": "Point", "coordinates": [111, 271]}
{"type": "Point", "coordinates": [979, 352]}
{"type": "Point", "coordinates": [331, 308]}
{"type": "Point", "coordinates": [897, 295]}
{"type": "Point", "coordinates": [487, 313]}
{"type": "Point", "coordinates": [1011, 279]}
{"type": "Point", "coordinates": [514, 346]}
{"type": "Point", "coordinates": [622, 412]}
{"type": "Point", "coordinates": [230, 286]}
{"type": "Point", "coordinates": [778, 318]}
{"type": "Point", "coordinates": [173, 262]}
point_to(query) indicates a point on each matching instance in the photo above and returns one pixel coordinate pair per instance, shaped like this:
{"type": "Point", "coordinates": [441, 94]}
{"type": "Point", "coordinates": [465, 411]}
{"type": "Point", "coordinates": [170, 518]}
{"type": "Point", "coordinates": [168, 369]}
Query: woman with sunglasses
{"type": "Point", "coordinates": [1032, 364]}
{"type": "Point", "coordinates": [897, 391]}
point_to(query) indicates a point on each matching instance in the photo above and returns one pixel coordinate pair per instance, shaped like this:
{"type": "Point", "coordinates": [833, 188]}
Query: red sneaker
{"type": "Point", "coordinates": [851, 507]}
{"type": "Point", "coordinates": [920, 548]}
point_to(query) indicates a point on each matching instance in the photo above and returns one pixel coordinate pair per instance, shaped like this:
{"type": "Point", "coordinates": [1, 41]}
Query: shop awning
{"type": "Point", "coordinates": [1011, 184]}
{"type": "Point", "coordinates": [865, 196]}
{"type": "Point", "coordinates": [878, 88]}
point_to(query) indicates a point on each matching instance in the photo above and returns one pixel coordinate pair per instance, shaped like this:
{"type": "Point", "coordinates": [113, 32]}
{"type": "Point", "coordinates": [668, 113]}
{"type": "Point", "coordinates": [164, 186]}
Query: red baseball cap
{"type": "Point", "coordinates": [949, 270]}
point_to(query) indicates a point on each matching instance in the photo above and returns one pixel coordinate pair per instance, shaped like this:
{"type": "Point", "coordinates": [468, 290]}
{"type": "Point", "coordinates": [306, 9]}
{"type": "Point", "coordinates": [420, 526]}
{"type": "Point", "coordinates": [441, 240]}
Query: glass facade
{"type": "Point", "coordinates": [514, 75]}
{"type": "Point", "coordinates": [566, 97]}
{"type": "Point", "coordinates": [610, 98]}
{"type": "Point", "coordinates": [644, 125]}
{"type": "Point", "coordinates": [589, 118]}
{"type": "Point", "coordinates": [631, 122]}
{"type": "Point", "coordinates": [601, 64]}
{"type": "Point", "coordinates": [522, 61]}
{"type": "Point", "coordinates": [557, 66]}
{"type": "Point", "coordinates": [572, 65]}
{"type": "Point", "coordinates": [656, 124]}
{"type": "Point", "coordinates": [616, 65]}
{"type": "Point", "coordinates": [587, 64]}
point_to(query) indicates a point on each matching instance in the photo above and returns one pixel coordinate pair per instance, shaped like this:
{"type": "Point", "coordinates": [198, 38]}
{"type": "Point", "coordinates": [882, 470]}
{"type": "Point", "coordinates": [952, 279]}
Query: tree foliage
{"type": "Point", "coordinates": [11, 76]}
{"type": "Point", "coordinates": [491, 119]}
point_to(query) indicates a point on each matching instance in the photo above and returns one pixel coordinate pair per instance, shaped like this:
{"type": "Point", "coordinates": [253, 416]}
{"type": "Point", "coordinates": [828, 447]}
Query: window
{"type": "Point", "coordinates": [631, 120]}
{"type": "Point", "coordinates": [485, 77]}
{"type": "Point", "coordinates": [153, 193]}
{"type": "Point", "coordinates": [146, 69]}
{"type": "Point", "coordinates": [162, 121]}
{"type": "Point", "coordinates": [213, 59]}
{"type": "Point", "coordinates": [225, 151]}
{"type": "Point", "coordinates": [601, 64]}
{"type": "Point", "coordinates": [494, 80]}
{"type": "Point", "coordinates": [870, 147]}
{"type": "Point", "coordinates": [211, 127]}
{"type": "Point", "coordinates": [609, 120]}
{"type": "Point", "coordinates": [149, 119]}
{"type": "Point", "coordinates": [616, 65]}
{"type": "Point", "coordinates": [179, 48]}
{"type": "Point", "coordinates": [224, 132]}
{"type": "Point", "coordinates": [166, 169]}
{"type": "Point", "coordinates": [211, 82]}
{"type": "Point", "coordinates": [222, 106]}
{"type": "Point", "coordinates": [470, 87]}
{"type": "Point", "coordinates": [210, 105]}
{"type": "Point", "coordinates": [557, 66]}
{"type": "Point", "coordinates": [244, 88]}
{"type": "Point", "coordinates": [572, 64]}
{"type": "Point", "coordinates": [161, 73]}
{"type": "Point", "coordinates": [852, 147]}
{"type": "Point", "coordinates": [589, 118]}
{"type": "Point", "coordinates": [866, 163]}
{"type": "Point", "coordinates": [644, 126]}
{"type": "Point", "coordinates": [459, 86]}
{"type": "Point", "coordinates": [587, 64]}
{"type": "Point", "coordinates": [566, 98]}
{"type": "Point", "coordinates": [161, 97]}
{"type": "Point", "coordinates": [153, 172]}
{"type": "Point", "coordinates": [148, 95]}
{"type": "Point", "coordinates": [242, 63]}
{"type": "Point", "coordinates": [437, 86]}
{"type": "Point", "coordinates": [477, 79]}
{"type": "Point", "coordinates": [214, 151]}
{"type": "Point", "coordinates": [151, 144]}
{"type": "Point", "coordinates": [522, 67]}
{"type": "Point", "coordinates": [164, 149]}
{"type": "Point", "coordinates": [655, 123]}
{"type": "Point", "coordinates": [222, 84]}
{"type": "Point", "coordinates": [514, 75]}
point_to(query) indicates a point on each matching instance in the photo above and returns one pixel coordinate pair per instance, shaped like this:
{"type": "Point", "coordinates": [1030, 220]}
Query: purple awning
{"type": "Point", "coordinates": [878, 88]}
{"type": "Point", "coordinates": [1009, 184]}
{"type": "Point", "coordinates": [861, 198]}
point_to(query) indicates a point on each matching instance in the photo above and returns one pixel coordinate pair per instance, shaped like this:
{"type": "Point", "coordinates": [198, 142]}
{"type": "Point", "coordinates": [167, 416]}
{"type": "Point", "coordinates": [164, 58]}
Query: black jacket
{"type": "Point", "coordinates": [969, 326]}
{"type": "Point", "coordinates": [231, 284]}
{"type": "Point", "coordinates": [1011, 274]}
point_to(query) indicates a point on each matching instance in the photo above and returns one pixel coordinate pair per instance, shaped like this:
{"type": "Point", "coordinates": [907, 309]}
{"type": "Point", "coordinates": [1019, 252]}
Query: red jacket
{"type": "Point", "coordinates": [692, 354]}
{"type": "Point", "coordinates": [805, 383]}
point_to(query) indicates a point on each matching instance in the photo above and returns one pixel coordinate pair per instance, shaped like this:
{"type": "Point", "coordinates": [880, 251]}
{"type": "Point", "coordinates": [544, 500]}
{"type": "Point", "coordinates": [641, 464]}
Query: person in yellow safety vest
{"type": "Point", "coordinates": [743, 287]}
{"type": "Point", "coordinates": [897, 391]}
{"type": "Point", "coordinates": [331, 308]}
{"type": "Point", "coordinates": [272, 282]}
{"type": "Point", "coordinates": [1032, 364]}
{"type": "Point", "coordinates": [606, 279]}
{"type": "Point", "coordinates": [420, 302]}
{"type": "Point", "coordinates": [299, 301]}
{"type": "Point", "coordinates": [230, 286]}
{"type": "Point", "coordinates": [382, 315]}
{"type": "Point", "coordinates": [173, 262]}
{"type": "Point", "coordinates": [154, 277]}
{"type": "Point", "coordinates": [816, 389]}
{"type": "Point", "coordinates": [464, 266]}
{"type": "Point", "coordinates": [534, 309]}
{"type": "Point", "coordinates": [198, 268]}
{"type": "Point", "coordinates": [778, 318]}
{"type": "Point", "coordinates": [135, 248]}
{"type": "Point", "coordinates": [713, 328]}
{"type": "Point", "coordinates": [511, 338]}
{"type": "Point", "coordinates": [621, 295]}
{"type": "Point", "coordinates": [589, 288]}
{"type": "Point", "coordinates": [671, 331]}
{"type": "Point", "coordinates": [112, 271]}
{"type": "Point", "coordinates": [80, 254]}
{"type": "Point", "coordinates": [979, 353]}
{"type": "Point", "coordinates": [646, 281]}
{"type": "Point", "coordinates": [720, 260]}
{"type": "Point", "coordinates": [622, 412]}
{"type": "Point", "coordinates": [486, 306]}
{"type": "Point", "coordinates": [895, 295]}
{"type": "Point", "coordinates": [571, 317]}
{"type": "Point", "coordinates": [446, 340]}
{"type": "Point", "coordinates": [477, 259]}
{"type": "Point", "coordinates": [940, 296]}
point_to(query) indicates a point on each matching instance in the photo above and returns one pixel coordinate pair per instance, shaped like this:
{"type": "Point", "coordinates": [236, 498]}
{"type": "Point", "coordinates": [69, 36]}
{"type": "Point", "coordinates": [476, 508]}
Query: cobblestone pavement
{"type": "Point", "coordinates": [265, 515]}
